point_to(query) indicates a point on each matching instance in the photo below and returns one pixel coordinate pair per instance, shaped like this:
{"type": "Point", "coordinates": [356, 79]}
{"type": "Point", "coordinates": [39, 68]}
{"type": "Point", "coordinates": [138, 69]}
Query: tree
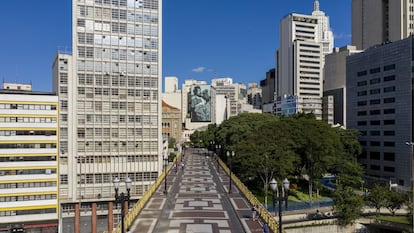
{"type": "Point", "coordinates": [348, 206]}
{"type": "Point", "coordinates": [317, 144]}
{"type": "Point", "coordinates": [394, 201]}
{"type": "Point", "coordinates": [377, 197]}
{"type": "Point", "coordinates": [266, 154]}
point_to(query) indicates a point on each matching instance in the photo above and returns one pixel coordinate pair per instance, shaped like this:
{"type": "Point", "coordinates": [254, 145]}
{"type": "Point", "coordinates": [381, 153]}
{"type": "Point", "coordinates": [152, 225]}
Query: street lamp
{"type": "Point", "coordinates": [122, 198]}
{"type": "Point", "coordinates": [412, 177]}
{"type": "Point", "coordinates": [230, 156]}
{"type": "Point", "coordinates": [281, 196]}
{"type": "Point", "coordinates": [218, 148]}
{"type": "Point", "coordinates": [165, 170]}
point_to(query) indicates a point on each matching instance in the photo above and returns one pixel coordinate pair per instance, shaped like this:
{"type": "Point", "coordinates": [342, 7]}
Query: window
{"type": "Point", "coordinates": [389, 89]}
{"type": "Point", "coordinates": [362, 103]}
{"type": "Point", "coordinates": [389, 67]}
{"type": "Point", "coordinates": [362, 113]}
{"type": "Point", "coordinates": [375, 143]}
{"type": "Point", "coordinates": [361, 123]}
{"type": "Point", "coordinates": [362, 93]}
{"type": "Point", "coordinates": [389, 78]}
{"type": "Point", "coordinates": [375, 70]}
{"type": "Point", "coordinates": [376, 101]}
{"type": "Point", "coordinates": [389, 100]}
{"type": "Point", "coordinates": [376, 122]}
{"type": "Point", "coordinates": [389, 169]}
{"type": "Point", "coordinates": [375, 112]}
{"type": "Point", "coordinates": [389, 111]}
{"type": "Point", "coordinates": [375, 167]}
{"type": "Point", "coordinates": [362, 73]}
{"type": "Point", "coordinates": [362, 83]}
{"type": "Point", "coordinates": [375, 133]}
{"type": "Point", "coordinates": [389, 156]}
{"type": "Point", "coordinates": [389, 144]}
{"type": "Point", "coordinates": [389, 133]}
{"type": "Point", "coordinates": [375, 81]}
{"type": "Point", "coordinates": [374, 155]}
{"type": "Point", "coordinates": [389, 122]}
{"type": "Point", "coordinates": [375, 91]}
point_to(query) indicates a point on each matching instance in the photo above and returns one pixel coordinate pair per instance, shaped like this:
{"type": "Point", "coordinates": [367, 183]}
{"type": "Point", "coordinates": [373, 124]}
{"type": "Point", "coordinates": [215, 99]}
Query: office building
{"type": "Point", "coordinates": [254, 95]}
{"type": "Point", "coordinates": [171, 84]}
{"type": "Point", "coordinates": [378, 21]}
{"type": "Point", "coordinates": [268, 91]}
{"type": "Point", "coordinates": [380, 105]}
{"type": "Point", "coordinates": [334, 81]}
{"type": "Point", "coordinates": [304, 41]}
{"type": "Point", "coordinates": [28, 159]}
{"type": "Point", "coordinates": [113, 108]}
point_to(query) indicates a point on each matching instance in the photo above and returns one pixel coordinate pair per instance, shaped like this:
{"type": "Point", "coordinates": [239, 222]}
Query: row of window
{"type": "Point", "coordinates": [146, 4]}
{"type": "Point", "coordinates": [15, 185]}
{"type": "Point", "coordinates": [27, 132]}
{"type": "Point", "coordinates": [376, 80]}
{"type": "Point", "coordinates": [376, 70]}
{"type": "Point", "coordinates": [378, 133]}
{"type": "Point", "coordinates": [30, 172]}
{"type": "Point", "coordinates": [376, 122]}
{"type": "Point", "coordinates": [28, 145]}
{"type": "Point", "coordinates": [114, 14]}
{"type": "Point", "coordinates": [27, 212]}
{"type": "Point", "coordinates": [115, 119]}
{"type": "Point", "coordinates": [128, 80]}
{"type": "Point", "coordinates": [28, 119]}
{"type": "Point", "coordinates": [130, 55]}
{"type": "Point", "coordinates": [28, 198]}
{"type": "Point", "coordinates": [107, 178]}
{"type": "Point", "coordinates": [378, 168]}
{"type": "Point", "coordinates": [376, 112]}
{"type": "Point", "coordinates": [95, 26]}
{"type": "Point", "coordinates": [115, 146]}
{"type": "Point", "coordinates": [116, 133]}
{"type": "Point", "coordinates": [378, 143]}
{"type": "Point", "coordinates": [27, 158]}
{"type": "Point", "coordinates": [119, 68]}
{"type": "Point", "coordinates": [376, 91]}
{"type": "Point", "coordinates": [28, 106]}
{"type": "Point", "coordinates": [139, 94]}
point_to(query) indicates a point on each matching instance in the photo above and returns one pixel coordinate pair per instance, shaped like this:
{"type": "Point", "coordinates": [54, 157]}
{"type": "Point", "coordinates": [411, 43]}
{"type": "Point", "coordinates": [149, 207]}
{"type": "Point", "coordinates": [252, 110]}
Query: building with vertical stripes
{"type": "Point", "coordinates": [28, 158]}
{"type": "Point", "coordinates": [111, 113]}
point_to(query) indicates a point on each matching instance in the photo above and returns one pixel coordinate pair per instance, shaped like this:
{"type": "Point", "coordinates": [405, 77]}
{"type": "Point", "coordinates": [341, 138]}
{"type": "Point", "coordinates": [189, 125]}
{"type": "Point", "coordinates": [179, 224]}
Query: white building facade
{"type": "Point", "coordinates": [113, 105]}
{"type": "Point", "coordinates": [304, 41]}
{"type": "Point", "coordinates": [29, 169]}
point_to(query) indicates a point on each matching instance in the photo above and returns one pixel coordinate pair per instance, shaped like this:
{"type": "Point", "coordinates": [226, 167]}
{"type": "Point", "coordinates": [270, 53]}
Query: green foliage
{"type": "Point", "coordinates": [394, 201]}
{"type": "Point", "coordinates": [348, 205]}
{"type": "Point", "coordinates": [377, 197]}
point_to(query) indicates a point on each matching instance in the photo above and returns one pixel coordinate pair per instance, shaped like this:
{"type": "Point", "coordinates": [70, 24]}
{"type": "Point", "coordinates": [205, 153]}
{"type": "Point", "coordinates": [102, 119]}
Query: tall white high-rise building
{"type": "Point", "coordinates": [304, 41]}
{"type": "Point", "coordinates": [378, 21]}
{"type": "Point", "coordinates": [171, 84]}
{"type": "Point", "coordinates": [112, 106]}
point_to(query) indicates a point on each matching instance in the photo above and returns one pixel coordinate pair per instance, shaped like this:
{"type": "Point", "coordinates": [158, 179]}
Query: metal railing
{"type": "Point", "coordinates": [137, 208]}
{"type": "Point", "coordinates": [263, 212]}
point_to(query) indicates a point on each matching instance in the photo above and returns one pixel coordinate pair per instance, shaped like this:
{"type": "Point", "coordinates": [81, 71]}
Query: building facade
{"type": "Point", "coordinates": [378, 21]}
{"type": "Point", "coordinates": [304, 41]}
{"type": "Point", "coordinates": [171, 122]}
{"type": "Point", "coordinates": [29, 159]}
{"type": "Point", "coordinates": [113, 104]}
{"type": "Point", "coordinates": [380, 105]}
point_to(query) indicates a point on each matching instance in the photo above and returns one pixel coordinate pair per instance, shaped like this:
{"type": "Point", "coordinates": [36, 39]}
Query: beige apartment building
{"type": "Point", "coordinates": [378, 21]}
{"type": "Point", "coordinates": [28, 159]}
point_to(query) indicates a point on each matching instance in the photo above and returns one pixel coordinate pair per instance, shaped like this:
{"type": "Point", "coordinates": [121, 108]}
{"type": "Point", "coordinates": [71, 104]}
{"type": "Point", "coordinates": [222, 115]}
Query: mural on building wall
{"type": "Point", "coordinates": [200, 103]}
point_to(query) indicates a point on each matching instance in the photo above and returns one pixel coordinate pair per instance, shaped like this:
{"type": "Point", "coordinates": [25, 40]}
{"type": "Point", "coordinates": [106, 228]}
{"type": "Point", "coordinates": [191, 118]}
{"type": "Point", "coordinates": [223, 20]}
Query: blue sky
{"type": "Point", "coordinates": [202, 39]}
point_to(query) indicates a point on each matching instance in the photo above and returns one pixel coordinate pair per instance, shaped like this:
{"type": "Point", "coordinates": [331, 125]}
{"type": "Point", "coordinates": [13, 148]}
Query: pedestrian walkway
{"type": "Point", "coordinates": [197, 201]}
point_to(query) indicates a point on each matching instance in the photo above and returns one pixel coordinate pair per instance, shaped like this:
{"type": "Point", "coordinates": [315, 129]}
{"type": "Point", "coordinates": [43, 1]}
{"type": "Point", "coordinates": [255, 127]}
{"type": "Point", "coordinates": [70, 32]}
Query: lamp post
{"type": "Point", "coordinates": [122, 198]}
{"type": "Point", "coordinates": [165, 178]}
{"type": "Point", "coordinates": [412, 177]}
{"type": "Point", "coordinates": [282, 195]}
{"type": "Point", "coordinates": [218, 149]}
{"type": "Point", "coordinates": [230, 156]}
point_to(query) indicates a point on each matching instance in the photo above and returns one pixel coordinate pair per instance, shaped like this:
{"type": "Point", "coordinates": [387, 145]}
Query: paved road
{"type": "Point", "coordinates": [197, 202]}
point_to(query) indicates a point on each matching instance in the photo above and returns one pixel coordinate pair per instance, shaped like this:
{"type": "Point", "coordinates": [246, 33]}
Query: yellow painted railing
{"type": "Point", "coordinates": [263, 212]}
{"type": "Point", "coordinates": [134, 212]}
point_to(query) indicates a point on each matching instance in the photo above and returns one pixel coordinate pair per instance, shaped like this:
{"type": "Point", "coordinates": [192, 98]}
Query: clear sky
{"type": "Point", "coordinates": [202, 39]}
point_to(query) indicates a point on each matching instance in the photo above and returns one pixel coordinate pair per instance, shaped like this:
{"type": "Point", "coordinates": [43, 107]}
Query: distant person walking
{"type": "Point", "coordinates": [254, 213]}
{"type": "Point", "coordinates": [265, 228]}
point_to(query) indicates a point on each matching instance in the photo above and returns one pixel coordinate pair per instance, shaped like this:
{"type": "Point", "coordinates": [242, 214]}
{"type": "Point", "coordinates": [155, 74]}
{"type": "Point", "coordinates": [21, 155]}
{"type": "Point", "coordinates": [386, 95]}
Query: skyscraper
{"type": "Point", "coordinates": [113, 102]}
{"type": "Point", "coordinates": [304, 41]}
{"type": "Point", "coordinates": [378, 21]}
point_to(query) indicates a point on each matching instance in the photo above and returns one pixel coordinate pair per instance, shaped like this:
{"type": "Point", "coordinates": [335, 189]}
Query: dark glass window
{"type": "Point", "coordinates": [389, 100]}
{"type": "Point", "coordinates": [375, 143]}
{"type": "Point", "coordinates": [375, 133]}
{"type": "Point", "coordinates": [362, 83]}
{"type": "Point", "coordinates": [375, 70]}
{"type": "Point", "coordinates": [389, 67]}
{"type": "Point", "coordinates": [375, 167]}
{"type": "Point", "coordinates": [389, 122]}
{"type": "Point", "coordinates": [362, 113]}
{"type": "Point", "coordinates": [362, 73]}
{"type": "Point", "coordinates": [389, 156]}
{"type": "Point", "coordinates": [389, 133]}
{"type": "Point", "coordinates": [362, 103]}
{"type": "Point", "coordinates": [389, 111]}
{"type": "Point", "coordinates": [362, 93]}
{"type": "Point", "coordinates": [389, 89]}
{"type": "Point", "coordinates": [389, 169]}
{"type": "Point", "coordinates": [375, 155]}
{"type": "Point", "coordinates": [389, 78]}
{"type": "Point", "coordinates": [375, 81]}
{"type": "Point", "coordinates": [376, 122]}
{"type": "Point", "coordinates": [389, 144]}
{"type": "Point", "coordinates": [374, 112]}
{"type": "Point", "coordinates": [376, 101]}
{"type": "Point", "coordinates": [362, 123]}
{"type": "Point", "coordinates": [374, 91]}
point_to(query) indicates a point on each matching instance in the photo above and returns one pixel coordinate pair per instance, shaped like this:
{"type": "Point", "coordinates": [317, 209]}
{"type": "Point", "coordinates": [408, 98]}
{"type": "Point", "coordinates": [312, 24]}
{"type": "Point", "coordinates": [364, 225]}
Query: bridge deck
{"type": "Point", "coordinates": [198, 201]}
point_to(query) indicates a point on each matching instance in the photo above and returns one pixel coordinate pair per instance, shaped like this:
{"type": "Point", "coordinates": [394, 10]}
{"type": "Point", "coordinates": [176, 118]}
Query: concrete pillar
{"type": "Point", "coordinates": [94, 218]}
{"type": "Point", "coordinates": [110, 216]}
{"type": "Point", "coordinates": [77, 218]}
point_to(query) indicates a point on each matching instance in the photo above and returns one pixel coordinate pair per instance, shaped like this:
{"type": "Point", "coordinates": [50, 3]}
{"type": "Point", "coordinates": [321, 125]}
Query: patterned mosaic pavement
{"type": "Point", "coordinates": [197, 202]}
